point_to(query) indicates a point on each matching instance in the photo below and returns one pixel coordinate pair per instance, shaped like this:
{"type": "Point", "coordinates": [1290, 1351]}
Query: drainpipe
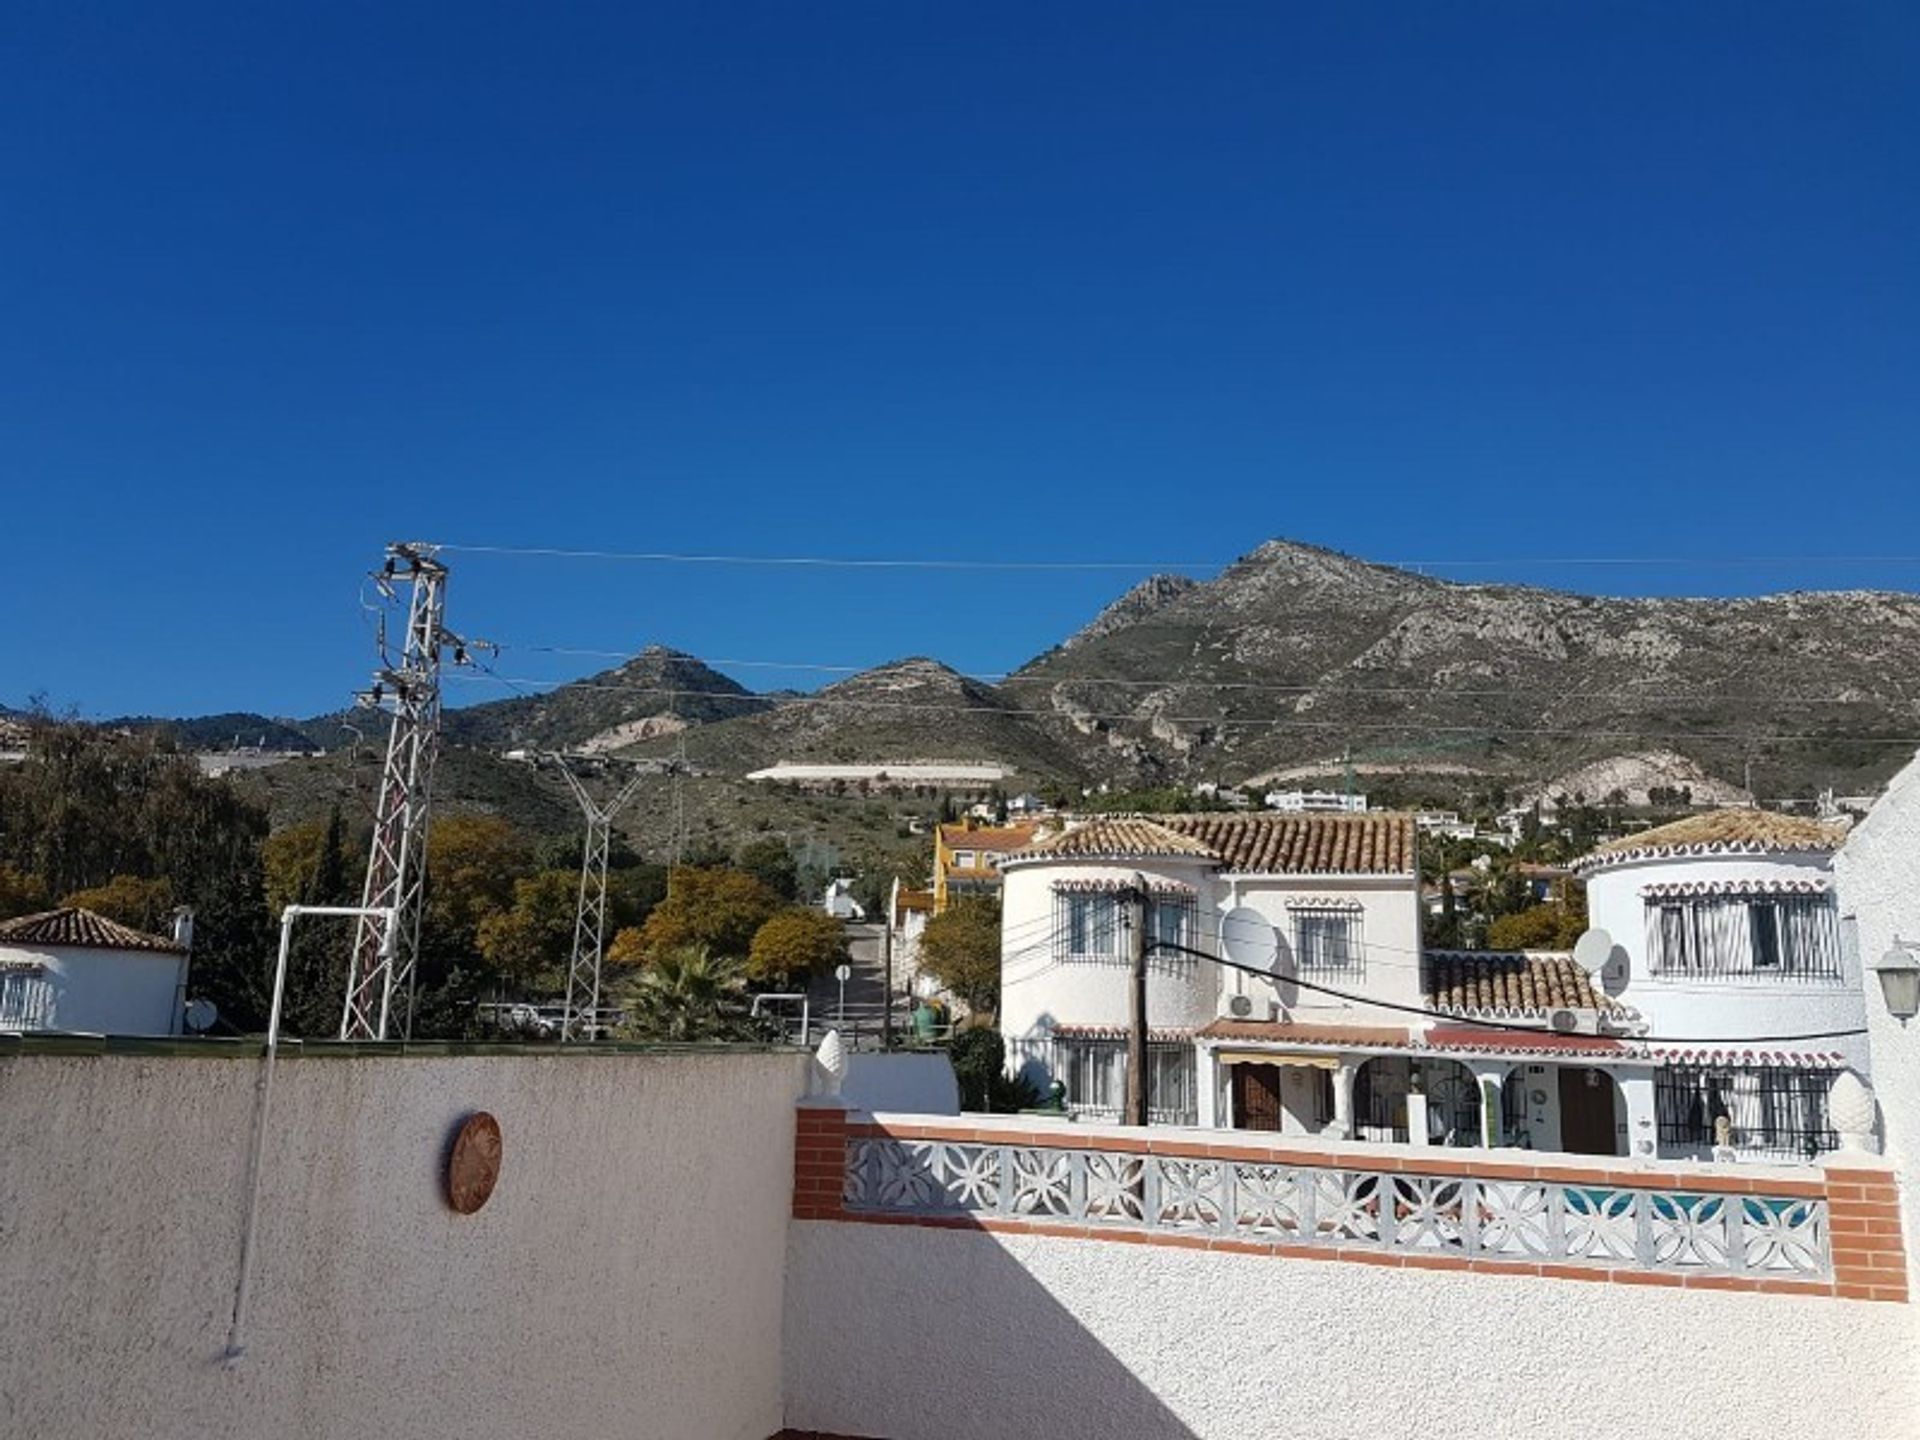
{"type": "Point", "coordinates": [243, 1283]}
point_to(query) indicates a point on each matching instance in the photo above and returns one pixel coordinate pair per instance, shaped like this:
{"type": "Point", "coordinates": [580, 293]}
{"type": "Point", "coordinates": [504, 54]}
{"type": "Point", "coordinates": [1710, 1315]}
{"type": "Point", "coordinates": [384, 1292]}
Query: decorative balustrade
{"type": "Point", "coordinates": [1609, 1226]}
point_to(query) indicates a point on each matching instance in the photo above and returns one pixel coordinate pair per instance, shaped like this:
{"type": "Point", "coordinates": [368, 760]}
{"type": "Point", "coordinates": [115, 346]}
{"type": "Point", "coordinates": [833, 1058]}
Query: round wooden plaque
{"type": "Point", "coordinates": [473, 1169]}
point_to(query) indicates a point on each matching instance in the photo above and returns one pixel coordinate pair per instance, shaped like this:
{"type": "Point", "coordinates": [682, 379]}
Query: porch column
{"type": "Point", "coordinates": [1416, 1115]}
{"type": "Point", "coordinates": [1342, 1126]}
{"type": "Point", "coordinates": [1206, 1087]}
{"type": "Point", "coordinates": [1490, 1073]}
{"type": "Point", "coordinates": [1643, 1129]}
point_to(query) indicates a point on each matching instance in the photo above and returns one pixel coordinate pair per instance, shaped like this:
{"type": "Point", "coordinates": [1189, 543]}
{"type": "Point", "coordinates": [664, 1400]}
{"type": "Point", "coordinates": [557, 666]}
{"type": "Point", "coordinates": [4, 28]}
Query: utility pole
{"type": "Point", "coordinates": [1135, 899]}
{"type": "Point", "coordinates": [580, 1019]}
{"type": "Point", "coordinates": [679, 799]}
{"type": "Point", "coordinates": [886, 967]}
{"type": "Point", "coordinates": [386, 938]}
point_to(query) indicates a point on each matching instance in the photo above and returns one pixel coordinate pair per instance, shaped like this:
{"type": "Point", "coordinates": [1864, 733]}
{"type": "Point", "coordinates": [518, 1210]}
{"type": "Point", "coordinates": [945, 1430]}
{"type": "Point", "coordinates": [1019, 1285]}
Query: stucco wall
{"type": "Point", "coordinates": [920, 1334]}
{"type": "Point", "coordinates": [1724, 1006]}
{"type": "Point", "coordinates": [625, 1280]}
{"type": "Point", "coordinates": [1040, 990]}
{"type": "Point", "coordinates": [109, 992]}
{"type": "Point", "coordinates": [1878, 874]}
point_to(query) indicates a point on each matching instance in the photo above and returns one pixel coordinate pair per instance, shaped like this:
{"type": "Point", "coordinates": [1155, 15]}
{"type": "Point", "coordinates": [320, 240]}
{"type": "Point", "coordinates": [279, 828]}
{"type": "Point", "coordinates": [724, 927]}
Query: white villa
{"type": "Point", "coordinates": [1728, 942]}
{"type": "Point", "coordinates": [1315, 802]}
{"type": "Point", "coordinates": [71, 969]}
{"type": "Point", "coordinates": [1346, 1029]}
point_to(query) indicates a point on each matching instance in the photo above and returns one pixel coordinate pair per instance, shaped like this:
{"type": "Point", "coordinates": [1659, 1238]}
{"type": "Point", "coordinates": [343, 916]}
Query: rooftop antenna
{"type": "Point", "coordinates": [580, 1019]}
{"type": "Point", "coordinates": [386, 936]}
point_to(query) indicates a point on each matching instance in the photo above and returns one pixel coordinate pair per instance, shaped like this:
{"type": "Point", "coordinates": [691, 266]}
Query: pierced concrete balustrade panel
{"type": "Point", "coordinates": [1660, 1230]}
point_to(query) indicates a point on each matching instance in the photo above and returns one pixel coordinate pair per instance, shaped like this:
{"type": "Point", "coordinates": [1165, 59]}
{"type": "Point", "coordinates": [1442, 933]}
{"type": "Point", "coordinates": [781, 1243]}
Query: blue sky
{"type": "Point", "coordinates": [1081, 281]}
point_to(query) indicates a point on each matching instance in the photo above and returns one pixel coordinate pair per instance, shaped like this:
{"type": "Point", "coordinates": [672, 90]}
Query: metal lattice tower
{"type": "Point", "coordinates": [387, 944]}
{"type": "Point", "coordinates": [581, 1017]}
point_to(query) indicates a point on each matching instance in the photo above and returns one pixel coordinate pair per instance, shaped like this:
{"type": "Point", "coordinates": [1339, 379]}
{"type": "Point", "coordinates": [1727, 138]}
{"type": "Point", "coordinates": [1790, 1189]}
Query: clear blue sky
{"type": "Point", "coordinates": [1035, 281]}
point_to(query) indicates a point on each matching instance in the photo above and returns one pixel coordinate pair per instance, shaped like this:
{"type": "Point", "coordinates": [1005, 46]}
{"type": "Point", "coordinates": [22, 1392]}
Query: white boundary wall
{"type": "Point", "coordinates": [625, 1279]}
{"type": "Point", "coordinates": [927, 1334]}
{"type": "Point", "coordinates": [1878, 872]}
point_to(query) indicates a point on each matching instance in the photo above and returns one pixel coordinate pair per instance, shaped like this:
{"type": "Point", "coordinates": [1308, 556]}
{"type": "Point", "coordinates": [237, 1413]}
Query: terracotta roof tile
{"type": "Point", "coordinates": [1380, 843]}
{"type": "Point", "coordinates": [996, 839]}
{"type": "Point", "coordinates": [1507, 982]}
{"type": "Point", "coordinates": [1509, 1042]}
{"type": "Point", "coordinates": [81, 929]}
{"type": "Point", "coordinates": [1292, 1032]}
{"type": "Point", "coordinates": [1739, 831]}
{"type": "Point", "coordinates": [1117, 837]}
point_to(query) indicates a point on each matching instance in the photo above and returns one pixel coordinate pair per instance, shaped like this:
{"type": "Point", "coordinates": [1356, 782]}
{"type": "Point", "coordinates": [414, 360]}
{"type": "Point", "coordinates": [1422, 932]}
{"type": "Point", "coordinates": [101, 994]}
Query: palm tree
{"type": "Point", "coordinates": [686, 993]}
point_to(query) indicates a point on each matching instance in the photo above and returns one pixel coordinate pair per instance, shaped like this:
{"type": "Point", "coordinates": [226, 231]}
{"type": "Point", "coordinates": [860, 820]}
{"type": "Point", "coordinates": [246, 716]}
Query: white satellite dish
{"type": "Point", "coordinates": [1249, 938]}
{"type": "Point", "coordinates": [1592, 951]}
{"type": "Point", "coordinates": [200, 1015]}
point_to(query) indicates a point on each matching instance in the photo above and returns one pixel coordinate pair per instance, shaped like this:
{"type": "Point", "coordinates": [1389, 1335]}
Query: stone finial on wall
{"type": "Point", "coordinates": [1850, 1105]}
{"type": "Point", "coordinates": [831, 1062]}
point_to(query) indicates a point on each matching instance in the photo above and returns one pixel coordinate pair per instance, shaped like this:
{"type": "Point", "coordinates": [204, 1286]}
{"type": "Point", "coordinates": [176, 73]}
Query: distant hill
{"type": "Point", "coordinates": [236, 729]}
{"type": "Point", "coordinates": [905, 710]}
{"type": "Point", "coordinates": [1297, 655]}
{"type": "Point", "coordinates": [1294, 663]}
{"type": "Point", "coordinates": [658, 692]}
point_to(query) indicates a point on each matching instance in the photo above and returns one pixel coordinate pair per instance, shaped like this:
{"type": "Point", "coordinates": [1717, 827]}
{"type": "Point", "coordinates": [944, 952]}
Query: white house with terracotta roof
{"type": "Point", "coordinates": [1330, 1020]}
{"type": "Point", "coordinates": [71, 969]}
{"type": "Point", "coordinates": [1728, 943]}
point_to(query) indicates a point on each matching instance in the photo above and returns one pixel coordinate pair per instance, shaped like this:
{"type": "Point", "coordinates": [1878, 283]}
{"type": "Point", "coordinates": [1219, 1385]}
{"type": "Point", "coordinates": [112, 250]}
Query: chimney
{"type": "Point", "coordinates": [183, 927]}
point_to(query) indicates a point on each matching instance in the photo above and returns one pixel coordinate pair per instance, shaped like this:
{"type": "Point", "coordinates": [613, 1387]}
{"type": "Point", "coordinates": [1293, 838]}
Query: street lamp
{"type": "Point", "coordinates": [1899, 972]}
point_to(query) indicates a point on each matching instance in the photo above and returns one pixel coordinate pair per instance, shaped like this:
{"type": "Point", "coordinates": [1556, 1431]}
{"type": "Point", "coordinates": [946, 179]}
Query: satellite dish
{"type": "Point", "coordinates": [1249, 938]}
{"type": "Point", "coordinates": [1592, 951]}
{"type": "Point", "coordinates": [201, 1015]}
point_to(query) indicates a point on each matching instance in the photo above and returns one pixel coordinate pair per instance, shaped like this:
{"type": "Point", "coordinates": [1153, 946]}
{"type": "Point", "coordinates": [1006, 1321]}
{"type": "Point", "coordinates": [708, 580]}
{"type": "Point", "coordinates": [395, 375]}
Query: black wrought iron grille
{"type": "Point", "coordinates": [1095, 1074]}
{"type": "Point", "coordinates": [1770, 1110]}
{"type": "Point", "coordinates": [1794, 937]}
{"type": "Point", "coordinates": [1090, 926]}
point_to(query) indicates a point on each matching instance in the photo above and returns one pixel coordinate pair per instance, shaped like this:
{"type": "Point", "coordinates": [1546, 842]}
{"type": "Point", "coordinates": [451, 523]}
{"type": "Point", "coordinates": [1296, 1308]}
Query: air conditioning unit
{"type": "Point", "coordinates": [1574, 1022]}
{"type": "Point", "coordinates": [1241, 1006]}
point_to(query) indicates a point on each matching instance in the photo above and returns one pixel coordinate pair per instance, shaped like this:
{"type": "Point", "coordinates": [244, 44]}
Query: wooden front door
{"type": "Point", "coordinates": [1586, 1112]}
{"type": "Point", "coordinates": [1256, 1097]}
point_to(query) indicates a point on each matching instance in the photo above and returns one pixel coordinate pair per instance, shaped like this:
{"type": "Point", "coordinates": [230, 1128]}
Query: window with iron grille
{"type": "Point", "coordinates": [1755, 936]}
{"type": "Point", "coordinates": [1771, 1110]}
{"type": "Point", "coordinates": [1327, 942]}
{"type": "Point", "coordinates": [1095, 1074]}
{"type": "Point", "coordinates": [1089, 925]}
{"type": "Point", "coordinates": [1086, 924]}
{"type": "Point", "coordinates": [26, 998]}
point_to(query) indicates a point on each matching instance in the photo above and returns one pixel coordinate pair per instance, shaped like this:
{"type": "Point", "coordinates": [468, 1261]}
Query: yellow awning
{"type": "Point", "coordinates": [1280, 1057]}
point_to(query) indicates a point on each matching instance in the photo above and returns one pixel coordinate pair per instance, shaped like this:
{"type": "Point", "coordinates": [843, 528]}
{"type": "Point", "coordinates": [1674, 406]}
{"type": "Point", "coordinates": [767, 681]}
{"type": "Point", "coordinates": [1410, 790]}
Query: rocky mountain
{"type": "Point", "coordinates": [1297, 663]}
{"type": "Point", "coordinates": [1300, 657]}
{"type": "Point", "coordinates": [913, 709]}
{"type": "Point", "coordinates": [1151, 594]}
{"type": "Point", "coordinates": [658, 692]}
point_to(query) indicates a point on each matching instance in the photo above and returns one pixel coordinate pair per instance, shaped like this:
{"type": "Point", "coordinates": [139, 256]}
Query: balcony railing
{"type": "Point", "coordinates": [1610, 1227]}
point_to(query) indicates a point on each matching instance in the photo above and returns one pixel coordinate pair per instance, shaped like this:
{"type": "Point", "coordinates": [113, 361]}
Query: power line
{"type": "Point", "coordinates": [1199, 683]}
{"type": "Point", "coordinates": [1478, 1023]}
{"type": "Point", "coordinates": [1218, 721]}
{"type": "Point", "coordinates": [1043, 944]}
{"type": "Point", "coordinates": [849, 562]}
{"type": "Point", "coordinates": [829, 562]}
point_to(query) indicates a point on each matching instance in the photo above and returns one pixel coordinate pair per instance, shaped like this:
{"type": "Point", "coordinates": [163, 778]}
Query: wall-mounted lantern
{"type": "Point", "coordinates": [1899, 972]}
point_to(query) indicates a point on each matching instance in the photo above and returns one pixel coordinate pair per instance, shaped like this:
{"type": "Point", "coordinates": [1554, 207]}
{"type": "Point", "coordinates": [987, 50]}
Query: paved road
{"type": "Point", "coordinates": [865, 988]}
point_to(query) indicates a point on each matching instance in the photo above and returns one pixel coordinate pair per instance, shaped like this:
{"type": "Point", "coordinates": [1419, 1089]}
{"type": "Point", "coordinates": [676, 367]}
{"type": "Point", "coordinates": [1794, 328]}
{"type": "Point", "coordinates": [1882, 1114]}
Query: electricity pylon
{"type": "Point", "coordinates": [386, 939]}
{"type": "Point", "coordinates": [580, 1019]}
